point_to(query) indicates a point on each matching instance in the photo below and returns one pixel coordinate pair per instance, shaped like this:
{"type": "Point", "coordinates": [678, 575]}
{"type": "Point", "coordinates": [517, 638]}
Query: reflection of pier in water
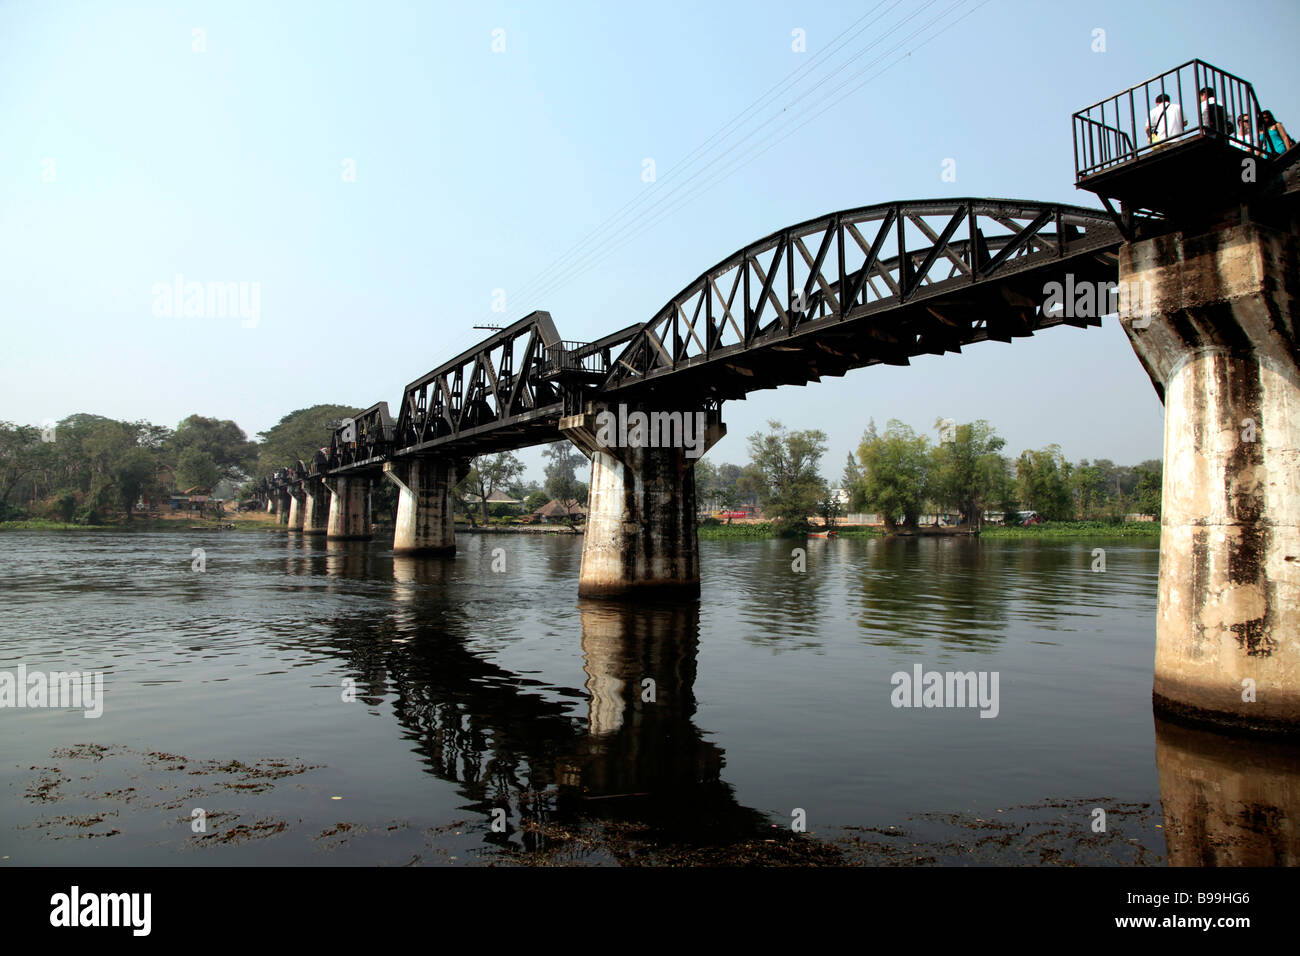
{"type": "Point", "coordinates": [1228, 801]}
{"type": "Point", "coordinates": [636, 758]}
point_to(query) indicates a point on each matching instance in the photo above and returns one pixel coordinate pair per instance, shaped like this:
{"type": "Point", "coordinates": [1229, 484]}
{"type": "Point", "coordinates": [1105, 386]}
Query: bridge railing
{"type": "Point", "coordinates": [1101, 146]}
{"type": "Point", "coordinates": [1165, 110]}
{"type": "Point", "coordinates": [575, 357]}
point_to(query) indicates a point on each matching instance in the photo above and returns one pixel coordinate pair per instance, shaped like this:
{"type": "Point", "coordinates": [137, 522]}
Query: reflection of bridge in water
{"type": "Point", "coordinates": [506, 745]}
{"type": "Point", "coordinates": [507, 742]}
{"type": "Point", "coordinates": [1206, 229]}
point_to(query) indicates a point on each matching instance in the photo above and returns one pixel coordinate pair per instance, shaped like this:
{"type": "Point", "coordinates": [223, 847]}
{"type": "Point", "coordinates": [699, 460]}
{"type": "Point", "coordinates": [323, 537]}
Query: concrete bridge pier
{"type": "Point", "coordinates": [316, 507]}
{"type": "Point", "coordinates": [349, 511]}
{"type": "Point", "coordinates": [297, 511]}
{"type": "Point", "coordinates": [1212, 316]}
{"type": "Point", "coordinates": [282, 507]}
{"type": "Point", "coordinates": [641, 516]}
{"type": "Point", "coordinates": [425, 504]}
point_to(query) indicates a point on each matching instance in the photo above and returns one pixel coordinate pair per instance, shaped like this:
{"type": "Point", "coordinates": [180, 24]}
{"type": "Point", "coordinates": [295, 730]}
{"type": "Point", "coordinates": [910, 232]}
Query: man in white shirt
{"type": "Point", "coordinates": [1166, 119]}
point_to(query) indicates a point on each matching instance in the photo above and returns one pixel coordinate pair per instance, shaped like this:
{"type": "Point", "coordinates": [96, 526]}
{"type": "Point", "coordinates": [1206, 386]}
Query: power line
{"type": "Point", "coordinates": [567, 275]}
{"type": "Point", "coordinates": [669, 196]}
{"type": "Point", "coordinates": [659, 195]}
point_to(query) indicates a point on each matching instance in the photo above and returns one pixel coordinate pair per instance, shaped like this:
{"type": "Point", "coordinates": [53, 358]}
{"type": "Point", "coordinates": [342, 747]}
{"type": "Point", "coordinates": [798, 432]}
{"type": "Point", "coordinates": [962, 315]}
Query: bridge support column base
{"type": "Point", "coordinates": [640, 538]}
{"type": "Point", "coordinates": [282, 509]}
{"type": "Point", "coordinates": [297, 512]}
{"type": "Point", "coordinates": [316, 508]}
{"type": "Point", "coordinates": [349, 515]}
{"type": "Point", "coordinates": [1212, 318]}
{"type": "Point", "coordinates": [426, 522]}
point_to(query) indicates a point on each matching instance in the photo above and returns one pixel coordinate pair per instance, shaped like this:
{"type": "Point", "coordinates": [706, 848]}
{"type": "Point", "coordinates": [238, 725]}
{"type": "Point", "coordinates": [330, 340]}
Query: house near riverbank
{"type": "Point", "coordinates": [554, 510]}
{"type": "Point", "coordinates": [495, 498]}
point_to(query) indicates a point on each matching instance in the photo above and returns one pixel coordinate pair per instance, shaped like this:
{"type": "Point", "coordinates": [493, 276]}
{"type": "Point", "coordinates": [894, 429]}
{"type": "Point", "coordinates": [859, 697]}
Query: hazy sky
{"type": "Point", "coordinates": [378, 171]}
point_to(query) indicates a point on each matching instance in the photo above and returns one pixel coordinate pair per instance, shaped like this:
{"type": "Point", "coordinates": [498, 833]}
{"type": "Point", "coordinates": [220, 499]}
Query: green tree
{"type": "Point", "coordinates": [561, 475]}
{"type": "Point", "coordinates": [522, 489]}
{"type": "Point", "coordinates": [105, 442]}
{"type": "Point", "coordinates": [782, 472]}
{"type": "Point", "coordinates": [136, 474]}
{"type": "Point", "coordinates": [224, 442]}
{"type": "Point", "coordinates": [722, 488]}
{"type": "Point", "coordinates": [1043, 483]}
{"type": "Point", "coordinates": [894, 476]}
{"type": "Point", "coordinates": [18, 460]}
{"type": "Point", "coordinates": [299, 435]}
{"type": "Point", "coordinates": [490, 473]}
{"type": "Point", "coordinates": [1003, 492]}
{"type": "Point", "coordinates": [968, 469]}
{"type": "Point", "coordinates": [706, 481]}
{"type": "Point", "coordinates": [1147, 490]}
{"type": "Point", "coordinates": [1088, 487]}
{"type": "Point", "coordinates": [196, 467]}
{"type": "Point", "coordinates": [829, 506]}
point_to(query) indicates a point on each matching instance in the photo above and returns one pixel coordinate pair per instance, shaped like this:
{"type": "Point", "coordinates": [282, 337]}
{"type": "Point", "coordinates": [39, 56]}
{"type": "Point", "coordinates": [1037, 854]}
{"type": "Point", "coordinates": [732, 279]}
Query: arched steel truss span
{"type": "Point", "coordinates": [863, 286]}
{"type": "Point", "coordinates": [875, 284]}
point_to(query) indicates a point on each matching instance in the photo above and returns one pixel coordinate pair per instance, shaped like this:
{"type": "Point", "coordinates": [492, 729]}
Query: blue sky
{"type": "Point", "coordinates": [129, 156]}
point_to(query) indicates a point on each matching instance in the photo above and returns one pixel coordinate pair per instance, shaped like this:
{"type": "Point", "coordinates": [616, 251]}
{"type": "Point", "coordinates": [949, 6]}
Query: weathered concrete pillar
{"type": "Point", "coordinates": [1212, 318]}
{"type": "Point", "coordinates": [316, 508]}
{"type": "Point", "coordinates": [640, 535]}
{"type": "Point", "coordinates": [270, 505]}
{"type": "Point", "coordinates": [282, 507]}
{"type": "Point", "coordinates": [349, 516]}
{"type": "Point", "coordinates": [425, 505]}
{"type": "Point", "coordinates": [297, 511]}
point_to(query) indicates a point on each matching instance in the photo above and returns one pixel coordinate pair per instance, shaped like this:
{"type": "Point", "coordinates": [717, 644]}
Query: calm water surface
{"type": "Point", "coordinates": [485, 696]}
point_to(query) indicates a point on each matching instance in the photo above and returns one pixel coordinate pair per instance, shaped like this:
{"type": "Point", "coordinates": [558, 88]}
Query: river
{"type": "Point", "coordinates": [275, 699]}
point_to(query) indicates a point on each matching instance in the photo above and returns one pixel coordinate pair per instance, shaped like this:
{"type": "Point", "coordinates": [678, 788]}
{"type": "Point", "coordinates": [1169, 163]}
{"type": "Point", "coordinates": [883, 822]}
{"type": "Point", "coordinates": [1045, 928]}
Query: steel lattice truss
{"type": "Point", "coordinates": [875, 284]}
{"type": "Point", "coordinates": [365, 440]}
{"type": "Point", "coordinates": [507, 392]}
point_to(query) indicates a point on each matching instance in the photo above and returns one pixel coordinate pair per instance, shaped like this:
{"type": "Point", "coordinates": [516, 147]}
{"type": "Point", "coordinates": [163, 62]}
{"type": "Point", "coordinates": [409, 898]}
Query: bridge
{"type": "Point", "coordinates": [1201, 249]}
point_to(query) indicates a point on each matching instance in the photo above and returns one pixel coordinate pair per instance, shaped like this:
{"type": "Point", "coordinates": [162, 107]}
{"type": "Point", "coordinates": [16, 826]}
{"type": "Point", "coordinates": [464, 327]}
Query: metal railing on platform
{"type": "Point", "coordinates": [577, 357]}
{"type": "Point", "coordinates": [1165, 110]}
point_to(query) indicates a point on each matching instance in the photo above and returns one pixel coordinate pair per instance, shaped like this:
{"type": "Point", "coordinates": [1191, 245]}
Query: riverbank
{"type": "Point", "coordinates": [517, 529]}
{"type": "Point", "coordinates": [260, 521]}
{"type": "Point", "coordinates": [242, 522]}
{"type": "Point", "coordinates": [766, 529]}
{"type": "Point", "coordinates": [1048, 529]}
{"type": "Point", "coordinates": [1076, 529]}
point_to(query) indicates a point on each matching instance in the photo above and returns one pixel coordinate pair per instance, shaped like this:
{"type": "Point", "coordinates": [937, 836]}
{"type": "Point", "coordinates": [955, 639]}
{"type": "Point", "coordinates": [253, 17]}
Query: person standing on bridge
{"type": "Point", "coordinates": [1214, 118]}
{"type": "Point", "coordinates": [1273, 137]}
{"type": "Point", "coordinates": [1165, 116]}
{"type": "Point", "coordinates": [1243, 131]}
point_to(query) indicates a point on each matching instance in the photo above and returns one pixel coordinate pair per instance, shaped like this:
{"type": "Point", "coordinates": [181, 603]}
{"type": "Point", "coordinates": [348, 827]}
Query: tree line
{"type": "Point", "coordinates": [84, 466]}
{"type": "Point", "coordinates": [87, 465]}
{"type": "Point", "coordinates": [901, 475]}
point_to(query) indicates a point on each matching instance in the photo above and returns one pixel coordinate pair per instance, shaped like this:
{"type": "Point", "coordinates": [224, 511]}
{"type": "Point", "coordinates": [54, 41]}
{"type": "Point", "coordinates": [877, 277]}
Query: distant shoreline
{"type": "Point", "coordinates": [752, 531]}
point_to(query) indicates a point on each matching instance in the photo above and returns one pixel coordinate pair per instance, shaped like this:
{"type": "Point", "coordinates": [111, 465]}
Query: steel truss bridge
{"type": "Point", "coordinates": [860, 287]}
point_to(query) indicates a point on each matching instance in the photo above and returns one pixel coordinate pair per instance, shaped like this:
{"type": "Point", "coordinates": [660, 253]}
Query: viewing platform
{"type": "Point", "coordinates": [1164, 150]}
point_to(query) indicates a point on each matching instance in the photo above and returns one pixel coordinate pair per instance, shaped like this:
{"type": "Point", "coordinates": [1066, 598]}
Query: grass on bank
{"type": "Point", "coordinates": [1076, 529]}
{"type": "Point", "coordinates": [137, 524]}
{"type": "Point", "coordinates": [1048, 529]}
{"type": "Point", "coordinates": [707, 530]}
{"type": "Point", "coordinates": [44, 524]}
{"type": "Point", "coordinates": [768, 529]}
